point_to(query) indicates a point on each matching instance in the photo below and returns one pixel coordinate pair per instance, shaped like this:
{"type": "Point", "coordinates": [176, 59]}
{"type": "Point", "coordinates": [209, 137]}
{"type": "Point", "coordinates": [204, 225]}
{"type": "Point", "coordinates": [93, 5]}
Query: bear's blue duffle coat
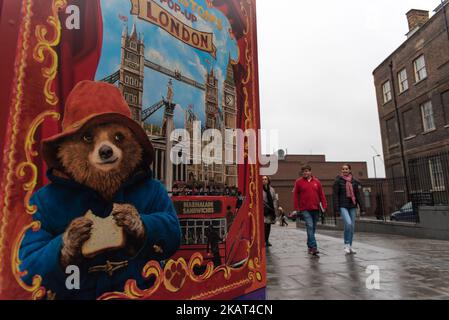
{"type": "Point", "coordinates": [63, 200]}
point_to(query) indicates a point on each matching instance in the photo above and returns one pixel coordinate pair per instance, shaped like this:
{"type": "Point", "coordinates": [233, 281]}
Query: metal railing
{"type": "Point", "coordinates": [388, 199]}
{"type": "Point", "coordinates": [428, 185]}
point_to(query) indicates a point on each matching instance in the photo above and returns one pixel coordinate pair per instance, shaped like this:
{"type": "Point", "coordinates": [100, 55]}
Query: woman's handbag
{"type": "Point", "coordinates": [269, 212]}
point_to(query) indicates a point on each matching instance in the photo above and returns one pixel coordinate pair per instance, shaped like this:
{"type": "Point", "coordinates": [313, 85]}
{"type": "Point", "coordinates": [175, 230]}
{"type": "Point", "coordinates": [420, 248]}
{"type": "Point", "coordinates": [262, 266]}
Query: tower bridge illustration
{"type": "Point", "coordinates": [130, 79]}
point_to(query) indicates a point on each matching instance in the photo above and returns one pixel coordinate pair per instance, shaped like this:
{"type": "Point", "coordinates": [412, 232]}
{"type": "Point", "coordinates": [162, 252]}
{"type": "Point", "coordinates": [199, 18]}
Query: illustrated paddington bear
{"type": "Point", "coordinates": [99, 163]}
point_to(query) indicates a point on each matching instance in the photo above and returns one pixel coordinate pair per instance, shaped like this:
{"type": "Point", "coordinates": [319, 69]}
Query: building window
{"type": "Point", "coordinates": [420, 69]}
{"type": "Point", "coordinates": [409, 121]}
{"type": "Point", "coordinates": [436, 174]}
{"type": "Point", "coordinates": [130, 98]}
{"type": "Point", "coordinates": [386, 88]}
{"type": "Point", "coordinates": [210, 123]}
{"type": "Point", "coordinates": [194, 231]}
{"type": "Point", "coordinates": [392, 132]}
{"type": "Point", "coordinates": [133, 45]}
{"type": "Point", "coordinates": [403, 81]}
{"type": "Point", "coordinates": [132, 57]}
{"type": "Point", "coordinates": [427, 117]}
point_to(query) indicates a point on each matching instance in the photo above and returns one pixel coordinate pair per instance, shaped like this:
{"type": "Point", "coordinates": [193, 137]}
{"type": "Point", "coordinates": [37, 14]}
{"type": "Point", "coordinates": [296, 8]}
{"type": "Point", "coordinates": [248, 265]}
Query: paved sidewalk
{"type": "Point", "coordinates": [409, 268]}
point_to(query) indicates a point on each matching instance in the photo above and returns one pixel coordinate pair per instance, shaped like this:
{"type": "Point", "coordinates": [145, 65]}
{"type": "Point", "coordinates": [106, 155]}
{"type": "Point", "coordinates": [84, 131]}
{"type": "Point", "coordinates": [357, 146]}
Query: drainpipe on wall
{"type": "Point", "coordinates": [401, 141]}
{"type": "Point", "coordinates": [443, 7]}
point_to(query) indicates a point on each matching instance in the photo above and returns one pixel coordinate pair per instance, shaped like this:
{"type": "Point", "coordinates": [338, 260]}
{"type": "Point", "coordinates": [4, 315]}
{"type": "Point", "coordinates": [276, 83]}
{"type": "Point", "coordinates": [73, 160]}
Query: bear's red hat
{"type": "Point", "coordinates": [95, 103]}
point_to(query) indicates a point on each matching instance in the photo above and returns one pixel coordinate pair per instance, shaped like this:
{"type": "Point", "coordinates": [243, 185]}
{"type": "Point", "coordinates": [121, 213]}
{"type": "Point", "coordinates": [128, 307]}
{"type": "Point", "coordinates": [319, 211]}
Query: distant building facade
{"type": "Point", "coordinates": [412, 88]}
{"type": "Point", "coordinates": [326, 171]}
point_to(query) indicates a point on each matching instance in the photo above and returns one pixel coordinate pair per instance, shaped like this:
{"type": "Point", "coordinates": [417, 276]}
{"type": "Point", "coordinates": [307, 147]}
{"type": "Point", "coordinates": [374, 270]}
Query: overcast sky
{"type": "Point", "coordinates": [316, 60]}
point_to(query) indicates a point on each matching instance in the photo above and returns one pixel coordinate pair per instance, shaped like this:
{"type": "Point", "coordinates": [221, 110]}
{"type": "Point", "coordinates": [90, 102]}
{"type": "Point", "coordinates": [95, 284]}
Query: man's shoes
{"type": "Point", "coordinates": [313, 251]}
{"type": "Point", "coordinates": [352, 250]}
{"type": "Point", "coordinates": [347, 249]}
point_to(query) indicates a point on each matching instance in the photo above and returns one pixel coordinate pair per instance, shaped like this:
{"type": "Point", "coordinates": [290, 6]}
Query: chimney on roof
{"type": "Point", "coordinates": [416, 19]}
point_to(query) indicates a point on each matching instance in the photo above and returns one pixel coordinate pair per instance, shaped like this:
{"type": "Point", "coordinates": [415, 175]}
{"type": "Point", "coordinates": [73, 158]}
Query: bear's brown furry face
{"type": "Point", "coordinates": [101, 157]}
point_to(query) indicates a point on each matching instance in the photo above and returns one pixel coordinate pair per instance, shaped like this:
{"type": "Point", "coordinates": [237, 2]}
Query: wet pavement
{"type": "Point", "coordinates": [408, 268]}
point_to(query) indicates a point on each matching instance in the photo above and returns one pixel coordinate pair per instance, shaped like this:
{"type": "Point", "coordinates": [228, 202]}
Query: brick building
{"type": "Point", "coordinates": [289, 170]}
{"type": "Point", "coordinates": [412, 87]}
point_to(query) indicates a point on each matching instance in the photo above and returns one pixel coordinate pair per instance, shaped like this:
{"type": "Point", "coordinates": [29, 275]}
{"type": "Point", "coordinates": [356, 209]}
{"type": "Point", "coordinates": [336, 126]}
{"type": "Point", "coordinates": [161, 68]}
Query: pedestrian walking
{"type": "Point", "coordinates": [282, 217]}
{"type": "Point", "coordinates": [213, 241]}
{"type": "Point", "coordinates": [229, 218]}
{"type": "Point", "coordinates": [347, 197]}
{"type": "Point", "coordinates": [239, 203]}
{"type": "Point", "coordinates": [308, 200]}
{"type": "Point", "coordinates": [270, 205]}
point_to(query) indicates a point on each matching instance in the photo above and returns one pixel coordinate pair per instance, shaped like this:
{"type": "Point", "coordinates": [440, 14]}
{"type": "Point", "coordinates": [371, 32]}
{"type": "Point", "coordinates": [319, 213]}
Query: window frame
{"type": "Point", "coordinates": [418, 77]}
{"type": "Point", "coordinates": [396, 129]}
{"type": "Point", "coordinates": [387, 95]}
{"type": "Point", "coordinates": [402, 87]}
{"type": "Point", "coordinates": [424, 116]}
{"type": "Point", "coordinates": [190, 226]}
{"type": "Point", "coordinates": [437, 176]}
{"type": "Point", "coordinates": [405, 116]}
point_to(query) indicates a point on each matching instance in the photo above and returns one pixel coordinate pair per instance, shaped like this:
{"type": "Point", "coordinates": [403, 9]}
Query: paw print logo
{"type": "Point", "coordinates": [175, 275]}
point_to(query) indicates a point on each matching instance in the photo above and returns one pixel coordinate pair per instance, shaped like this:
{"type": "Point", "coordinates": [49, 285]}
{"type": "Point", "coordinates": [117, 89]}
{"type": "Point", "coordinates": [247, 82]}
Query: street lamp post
{"type": "Point", "coordinates": [374, 164]}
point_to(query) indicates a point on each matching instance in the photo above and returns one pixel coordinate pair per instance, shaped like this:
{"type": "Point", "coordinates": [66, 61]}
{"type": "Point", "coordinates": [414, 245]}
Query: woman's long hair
{"type": "Point", "coordinates": [269, 182]}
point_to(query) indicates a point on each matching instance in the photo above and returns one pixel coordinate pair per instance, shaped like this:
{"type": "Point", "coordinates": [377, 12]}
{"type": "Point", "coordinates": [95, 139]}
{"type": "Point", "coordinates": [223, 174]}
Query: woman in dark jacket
{"type": "Point", "coordinates": [270, 207]}
{"type": "Point", "coordinates": [347, 197]}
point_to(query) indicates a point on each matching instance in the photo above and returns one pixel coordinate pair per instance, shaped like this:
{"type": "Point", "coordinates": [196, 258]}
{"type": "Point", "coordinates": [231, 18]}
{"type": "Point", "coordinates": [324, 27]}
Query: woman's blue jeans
{"type": "Point", "coordinates": [311, 219]}
{"type": "Point", "coordinates": [348, 216]}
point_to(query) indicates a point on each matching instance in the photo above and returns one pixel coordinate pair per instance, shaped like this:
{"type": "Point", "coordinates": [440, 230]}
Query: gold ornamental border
{"type": "Point", "coordinates": [30, 154]}
{"type": "Point", "coordinates": [15, 113]}
{"type": "Point", "coordinates": [43, 49]}
{"type": "Point", "coordinates": [37, 291]}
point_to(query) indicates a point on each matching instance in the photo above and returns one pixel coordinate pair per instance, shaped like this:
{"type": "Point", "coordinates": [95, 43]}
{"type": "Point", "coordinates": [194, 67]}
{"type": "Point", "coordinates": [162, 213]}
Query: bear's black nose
{"type": "Point", "coordinates": [105, 152]}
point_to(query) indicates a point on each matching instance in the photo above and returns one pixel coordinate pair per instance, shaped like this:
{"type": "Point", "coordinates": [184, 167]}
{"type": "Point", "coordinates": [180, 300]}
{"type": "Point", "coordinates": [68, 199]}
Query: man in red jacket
{"type": "Point", "coordinates": [309, 200]}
